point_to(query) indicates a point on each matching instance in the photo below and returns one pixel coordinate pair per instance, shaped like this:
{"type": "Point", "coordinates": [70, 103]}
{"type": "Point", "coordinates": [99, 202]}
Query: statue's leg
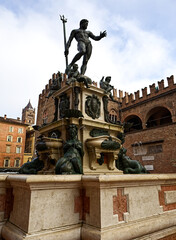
{"type": "Point", "coordinates": [77, 165]}
{"type": "Point", "coordinates": [75, 59]}
{"type": "Point", "coordinates": [86, 58]}
{"type": "Point", "coordinates": [67, 168]}
{"type": "Point", "coordinates": [59, 163]}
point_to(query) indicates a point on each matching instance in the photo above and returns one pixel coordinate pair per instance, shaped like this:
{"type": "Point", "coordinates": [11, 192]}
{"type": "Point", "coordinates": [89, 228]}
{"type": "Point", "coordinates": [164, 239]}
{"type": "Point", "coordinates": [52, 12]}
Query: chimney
{"type": "Point", "coordinates": [18, 118]}
{"type": "Point", "coordinates": [5, 116]}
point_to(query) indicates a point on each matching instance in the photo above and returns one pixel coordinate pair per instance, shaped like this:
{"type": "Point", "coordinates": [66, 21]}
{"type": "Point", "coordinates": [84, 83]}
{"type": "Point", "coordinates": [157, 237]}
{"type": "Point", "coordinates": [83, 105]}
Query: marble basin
{"type": "Point", "coordinates": [96, 142]}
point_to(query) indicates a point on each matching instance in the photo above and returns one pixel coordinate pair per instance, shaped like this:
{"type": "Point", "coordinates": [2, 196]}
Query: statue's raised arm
{"type": "Point", "coordinates": [82, 36]}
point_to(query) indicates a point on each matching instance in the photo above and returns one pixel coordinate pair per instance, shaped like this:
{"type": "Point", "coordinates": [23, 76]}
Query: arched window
{"type": "Point", "coordinates": [158, 116]}
{"type": "Point", "coordinates": [133, 123]}
{"type": "Point", "coordinates": [113, 115]}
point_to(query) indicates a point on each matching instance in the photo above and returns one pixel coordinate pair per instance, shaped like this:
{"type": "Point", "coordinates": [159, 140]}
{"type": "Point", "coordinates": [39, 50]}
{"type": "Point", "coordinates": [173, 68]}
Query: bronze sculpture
{"type": "Point", "coordinates": [128, 165]}
{"type": "Point", "coordinates": [73, 75]}
{"type": "Point", "coordinates": [105, 85]}
{"type": "Point", "coordinates": [71, 163]}
{"type": "Point", "coordinates": [84, 45]}
{"type": "Point", "coordinates": [32, 167]}
{"type": "Point", "coordinates": [92, 106]}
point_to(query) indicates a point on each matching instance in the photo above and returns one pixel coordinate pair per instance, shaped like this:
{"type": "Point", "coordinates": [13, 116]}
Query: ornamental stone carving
{"type": "Point", "coordinates": [92, 106]}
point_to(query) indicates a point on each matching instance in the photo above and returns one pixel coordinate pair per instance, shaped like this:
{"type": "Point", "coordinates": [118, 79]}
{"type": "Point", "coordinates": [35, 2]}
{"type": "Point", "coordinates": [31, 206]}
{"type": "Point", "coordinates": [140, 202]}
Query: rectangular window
{"type": "Point", "coordinates": [20, 130]}
{"type": "Point", "coordinates": [9, 138]}
{"type": "Point", "coordinates": [19, 139]}
{"type": "Point", "coordinates": [7, 149]}
{"type": "Point", "coordinates": [18, 149]}
{"type": "Point", "coordinates": [17, 163]}
{"type": "Point", "coordinates": [155, 149]}
{"type": "Point", "coordinates": [6, 163]}
{"type": "Point", "coordinates": [10, 129]}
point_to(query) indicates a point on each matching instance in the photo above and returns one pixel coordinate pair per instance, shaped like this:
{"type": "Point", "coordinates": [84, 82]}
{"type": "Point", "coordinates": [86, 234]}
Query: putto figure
{"type": "Point", "coordinates": [84, 45]}
{"type": "Point", "coordinates": [105, 84]}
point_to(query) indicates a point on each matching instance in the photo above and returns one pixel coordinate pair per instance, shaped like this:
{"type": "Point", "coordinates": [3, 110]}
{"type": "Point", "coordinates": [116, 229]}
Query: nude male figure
{"type": "Point", "coordinates": [84, 45]}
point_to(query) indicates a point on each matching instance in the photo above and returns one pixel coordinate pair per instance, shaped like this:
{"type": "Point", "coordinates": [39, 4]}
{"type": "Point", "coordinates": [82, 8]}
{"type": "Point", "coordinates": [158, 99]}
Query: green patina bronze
{"type": "Point", "coordinates": [92, 106]}
{"type": "Point", "coordinates": [127, 165]}
{"type": "Point", "coordinates": [32, 167]}
{"type": "Point", "coordinates": [82, 36]}
{"type": "Point", "coordinates": [74, 75]}
{"type": "Point", "coordinates": [71, 162]}
{"type": "Point", "coordinates": [109, 144]}
{"type": "Point", "coordinates": [106, 86]}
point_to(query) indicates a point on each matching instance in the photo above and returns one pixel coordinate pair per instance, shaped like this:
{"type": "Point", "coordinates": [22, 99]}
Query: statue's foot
{"type": "Point", "coordinates": [68, 68]}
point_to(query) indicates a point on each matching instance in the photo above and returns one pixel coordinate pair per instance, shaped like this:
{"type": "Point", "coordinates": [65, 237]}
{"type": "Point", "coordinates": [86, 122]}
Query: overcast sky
{"type": "Point", "coordinates": [140, 47]}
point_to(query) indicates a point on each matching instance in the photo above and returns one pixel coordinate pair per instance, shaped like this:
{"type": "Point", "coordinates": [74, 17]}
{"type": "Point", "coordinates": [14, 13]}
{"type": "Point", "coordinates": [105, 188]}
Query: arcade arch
{"type": "Point", "coordinates": [135, 123]}
{"type": "Point", "coordinates": [158, 116]}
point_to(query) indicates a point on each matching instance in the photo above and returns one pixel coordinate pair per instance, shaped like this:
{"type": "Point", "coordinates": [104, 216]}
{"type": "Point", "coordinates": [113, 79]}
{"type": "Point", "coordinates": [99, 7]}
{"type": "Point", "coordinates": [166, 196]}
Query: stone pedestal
{"type": "Point", "coordinates": [89, 102]}
{"type": "Point", "coordinates": [100, 207]}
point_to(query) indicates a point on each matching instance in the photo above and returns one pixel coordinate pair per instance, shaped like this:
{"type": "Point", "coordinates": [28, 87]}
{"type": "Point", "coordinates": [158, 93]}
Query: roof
{"type": "Point", "coordinates": [12, 121]}
{"type": "Point", "coordinates": [29, 105]}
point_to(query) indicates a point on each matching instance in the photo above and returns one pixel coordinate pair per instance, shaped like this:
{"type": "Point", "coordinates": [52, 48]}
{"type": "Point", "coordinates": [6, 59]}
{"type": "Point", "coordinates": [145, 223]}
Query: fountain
{"type": "Point", "coordinates": [75, 188]}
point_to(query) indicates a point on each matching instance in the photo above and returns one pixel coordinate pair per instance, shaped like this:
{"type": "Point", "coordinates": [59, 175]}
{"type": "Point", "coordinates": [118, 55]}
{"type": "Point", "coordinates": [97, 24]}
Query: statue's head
{"type": "Point", "coordinates": [108, 79]}
{"type": "Point", "coordinates": [83, 23]}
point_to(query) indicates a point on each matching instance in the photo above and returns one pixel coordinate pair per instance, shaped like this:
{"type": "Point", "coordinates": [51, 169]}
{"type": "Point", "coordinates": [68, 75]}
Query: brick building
{"type": "Point", "coordinates": [17, 139]}
{"type": "Point", "coordinates": [152, 136]}
{"type": "Point", "coordinates": [12, 142]}
{"type": "Point", "coordinates": [152, 116]}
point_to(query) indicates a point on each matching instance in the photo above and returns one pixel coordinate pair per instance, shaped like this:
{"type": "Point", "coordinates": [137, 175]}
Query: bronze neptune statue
{"type": "Point", "coordinates": [84, 45]}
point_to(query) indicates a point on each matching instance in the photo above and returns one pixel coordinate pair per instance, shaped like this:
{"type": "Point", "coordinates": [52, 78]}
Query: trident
{"type": "Point", "coordinates": [64, 20]}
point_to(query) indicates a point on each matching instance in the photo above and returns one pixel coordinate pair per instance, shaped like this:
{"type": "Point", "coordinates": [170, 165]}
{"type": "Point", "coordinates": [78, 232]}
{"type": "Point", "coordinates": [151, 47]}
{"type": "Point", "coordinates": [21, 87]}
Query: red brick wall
{"type": "Point", "coordinates": [142, 110]}
{"type": "Point", "coordinates": [4, 132]}
{"type": "Point", "coordinates": [46, 108]}
{"type": "Point", "coordinates": [165, 160]}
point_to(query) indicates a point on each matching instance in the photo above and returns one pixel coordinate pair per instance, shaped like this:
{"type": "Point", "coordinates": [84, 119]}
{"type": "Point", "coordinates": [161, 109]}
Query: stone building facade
{"type": "Point", "coordinates": [152, 117]}
{"type": "Point", "coordinates": [12, 142]}
{"type": "Point", "coordinates": [17, 139]}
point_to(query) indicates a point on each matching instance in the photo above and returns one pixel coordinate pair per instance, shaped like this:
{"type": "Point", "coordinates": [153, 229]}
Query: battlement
{"type": "Point", "coordinates": [125, 98]}
{"type": "Point", "coordinates": [130, 99]}
{"type": "Point", "coordinates": [47, 86]}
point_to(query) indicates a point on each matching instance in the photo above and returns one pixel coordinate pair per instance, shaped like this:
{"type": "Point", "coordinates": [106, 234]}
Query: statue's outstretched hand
{"type": "Point", "coordinates": [103, 34]}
